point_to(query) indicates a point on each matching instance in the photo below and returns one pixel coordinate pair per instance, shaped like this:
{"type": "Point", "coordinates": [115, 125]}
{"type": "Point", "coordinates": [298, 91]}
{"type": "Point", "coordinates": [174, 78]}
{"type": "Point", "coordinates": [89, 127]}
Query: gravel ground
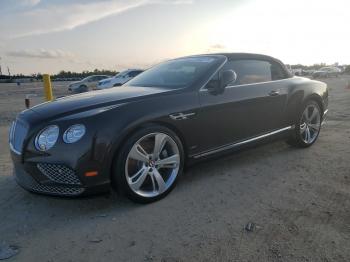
{"type": "Point", "coordinates": [298, 200]}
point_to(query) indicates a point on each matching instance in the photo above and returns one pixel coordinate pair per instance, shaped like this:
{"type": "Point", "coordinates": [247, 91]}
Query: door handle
{"type": "Point", "coordinates": [274, 93]}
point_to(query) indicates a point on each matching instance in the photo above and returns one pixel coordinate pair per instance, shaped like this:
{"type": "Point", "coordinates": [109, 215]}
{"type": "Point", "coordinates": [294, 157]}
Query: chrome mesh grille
{"type": "Point", "coordinates": [17, 135]}
{"type": "Point", "coordinates": [59, 173]}
{"type": "Point", "coordinates": [28, 182]}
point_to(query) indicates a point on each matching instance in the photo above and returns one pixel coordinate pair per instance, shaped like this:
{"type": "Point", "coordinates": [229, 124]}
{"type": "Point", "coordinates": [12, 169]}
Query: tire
{"type": "Point", "coordinates": [144, 174]}
{"type": "Point", "coordinates": [307, 126]}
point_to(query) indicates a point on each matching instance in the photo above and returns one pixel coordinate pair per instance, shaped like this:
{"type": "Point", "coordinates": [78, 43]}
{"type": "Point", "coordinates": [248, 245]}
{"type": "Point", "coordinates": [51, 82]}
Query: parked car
{"type": "Point", "coordinates": [86, 84]}
{"type": "Point", "coordinates": [289, 68]}
{"type": "Point", "coordinates": [297, 71]}
{"type": "Point", "coordinates": [139, 138]}
{"type": "Point", "coordinates": [327, 72]}
{"type": "Point", "coordinates": [308, 72]}
{"type": "Point", "coordinates": [119, 79]}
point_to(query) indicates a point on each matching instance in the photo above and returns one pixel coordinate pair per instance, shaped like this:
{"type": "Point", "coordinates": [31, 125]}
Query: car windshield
{"type": "Point", "coordinates": [86, 78]}
{"type": "Point", "coordinates": [177, 73]}
{"type": "Point", "coordinates": [120, 74]}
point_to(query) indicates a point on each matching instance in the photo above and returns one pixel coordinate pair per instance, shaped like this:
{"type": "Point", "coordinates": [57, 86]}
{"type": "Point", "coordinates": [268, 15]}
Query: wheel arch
{"type": "Point", "coordinates": [297, 102]}
{"type": "Point", "coordinates": [317, 98]}
{"type": "Point", "coordinates": [130, 131]}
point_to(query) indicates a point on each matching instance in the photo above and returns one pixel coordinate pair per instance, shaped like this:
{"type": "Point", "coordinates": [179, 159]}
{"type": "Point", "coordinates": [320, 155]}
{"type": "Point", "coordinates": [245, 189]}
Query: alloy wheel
{"type": "Point", "coordinates": [152, 164]}
{"type": "Point", "coordinates": [310, 124]}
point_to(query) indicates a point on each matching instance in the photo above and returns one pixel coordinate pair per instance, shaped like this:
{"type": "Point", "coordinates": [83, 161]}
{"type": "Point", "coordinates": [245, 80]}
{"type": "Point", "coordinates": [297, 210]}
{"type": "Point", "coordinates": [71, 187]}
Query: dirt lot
{"type": "Point", "coordinates": [298, 199]}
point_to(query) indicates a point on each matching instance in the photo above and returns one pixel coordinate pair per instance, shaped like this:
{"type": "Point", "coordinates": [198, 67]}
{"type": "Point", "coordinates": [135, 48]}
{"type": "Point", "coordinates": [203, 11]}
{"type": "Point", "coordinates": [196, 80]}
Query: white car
{"type": "Point", "coordinates": [119, 79]}
{"type": "Point", "coordinates": [86, 84]}
{"type": "Point", "coordinates": [327, 72]}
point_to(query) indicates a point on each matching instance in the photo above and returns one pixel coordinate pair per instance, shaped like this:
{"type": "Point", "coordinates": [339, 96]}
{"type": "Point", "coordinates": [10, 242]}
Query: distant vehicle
{"type": "Point", "coordinates": [297, 71]}
{"type": "Point", "coordinates": [327, 72]}
{"type": "Point", "coordinates": [289, 68]}
{"type": "Point", "coordinates": [308, 72]}
{"type": "Point", "coordinates": [119, 79]}
{"type": "Point", "coordinates": [86, 84]}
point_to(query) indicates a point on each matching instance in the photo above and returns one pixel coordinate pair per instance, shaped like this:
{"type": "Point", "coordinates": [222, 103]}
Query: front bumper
{"type": "Point", "coordinates": [26, 181]}
{"type": "Point", "coordinates": [75, 169]}
{"type": "Point", "coordinates": [53, 179]}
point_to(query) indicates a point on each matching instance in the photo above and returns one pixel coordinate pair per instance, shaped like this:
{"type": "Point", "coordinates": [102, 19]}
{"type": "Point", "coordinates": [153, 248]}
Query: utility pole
{"type": "Point", "coordinates": [0, 67]}
{"type": "Point", "coordinates": [8, 70]}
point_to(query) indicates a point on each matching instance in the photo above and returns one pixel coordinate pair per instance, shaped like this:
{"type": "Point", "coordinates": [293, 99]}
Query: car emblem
{"type": "Point", "coordinates": [152, 163]}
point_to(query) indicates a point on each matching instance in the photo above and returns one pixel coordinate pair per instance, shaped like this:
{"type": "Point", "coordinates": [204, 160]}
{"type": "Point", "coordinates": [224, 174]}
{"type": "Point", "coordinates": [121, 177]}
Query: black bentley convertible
{"type": "Point", "coordinates": [139, 137]}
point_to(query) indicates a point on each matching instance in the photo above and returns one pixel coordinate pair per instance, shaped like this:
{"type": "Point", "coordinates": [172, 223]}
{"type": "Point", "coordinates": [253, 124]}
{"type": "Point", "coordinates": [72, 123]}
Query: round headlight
{"type": "Point", "coordinates": [74, 133]}
{"type": "Point", "coordinates": [47, 138]}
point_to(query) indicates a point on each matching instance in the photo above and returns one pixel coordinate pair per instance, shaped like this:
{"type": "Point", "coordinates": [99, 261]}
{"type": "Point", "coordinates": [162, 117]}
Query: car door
{"type": "Point", "coordinates": [95, 82]}
{"type": "Point", "coordinates": [252, 106]}
{"type": "Point", "coordinates": [130, 76]}
{"type": "Point", "coordinates": [90, 82]}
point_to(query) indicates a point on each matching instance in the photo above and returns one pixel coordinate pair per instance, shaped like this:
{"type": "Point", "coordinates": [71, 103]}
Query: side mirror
{"type": "Point", "coordinates": [217, 85]}
{"type": "Point", "coordinates": [228, 77]}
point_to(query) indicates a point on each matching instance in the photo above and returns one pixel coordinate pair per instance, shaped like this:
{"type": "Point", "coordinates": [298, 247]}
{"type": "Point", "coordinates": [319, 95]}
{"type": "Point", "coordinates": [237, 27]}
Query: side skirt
{"type": "Point", "coordinates": [233, 145]}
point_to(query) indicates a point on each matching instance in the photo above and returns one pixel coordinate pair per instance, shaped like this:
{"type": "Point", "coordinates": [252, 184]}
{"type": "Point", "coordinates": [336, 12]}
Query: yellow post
{"type": "Point", "coordinates": [47, 87]}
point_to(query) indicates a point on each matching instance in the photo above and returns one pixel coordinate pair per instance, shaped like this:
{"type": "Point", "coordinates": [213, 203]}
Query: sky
{"type": "Point", "coordinates": [47, 36]}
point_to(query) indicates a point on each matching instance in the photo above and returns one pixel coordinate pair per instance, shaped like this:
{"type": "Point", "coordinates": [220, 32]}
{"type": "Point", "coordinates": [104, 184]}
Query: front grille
{"type": "Point", "coordinates": [59, 173]}
{"type": "Point", "coordinates": [18, 133]}
{"type": "Point", "coordinates": [28, 182]}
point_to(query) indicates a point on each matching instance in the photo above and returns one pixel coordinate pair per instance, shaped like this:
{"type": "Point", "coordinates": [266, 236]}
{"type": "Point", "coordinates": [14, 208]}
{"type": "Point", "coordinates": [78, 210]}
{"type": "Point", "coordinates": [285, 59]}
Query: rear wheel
{"type": "Point", "coordinates": [149, 164]}
{"type": "Point", "coordinates": [308, 126]}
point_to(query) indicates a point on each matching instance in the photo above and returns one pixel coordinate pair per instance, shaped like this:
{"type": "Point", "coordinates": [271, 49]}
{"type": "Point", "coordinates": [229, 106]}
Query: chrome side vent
{"type": "Point", "coordinates": [181, 116]}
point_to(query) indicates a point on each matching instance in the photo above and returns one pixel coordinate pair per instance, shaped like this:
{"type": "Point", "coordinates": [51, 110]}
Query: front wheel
{"type": "Point", "coordinates": [149, 164]}
{"type": "Point", "coordinates": [308, 126]}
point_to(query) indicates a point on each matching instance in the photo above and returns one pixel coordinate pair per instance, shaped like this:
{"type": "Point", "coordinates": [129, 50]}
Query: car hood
{"type": "Point", "coordinates": [96, 99]}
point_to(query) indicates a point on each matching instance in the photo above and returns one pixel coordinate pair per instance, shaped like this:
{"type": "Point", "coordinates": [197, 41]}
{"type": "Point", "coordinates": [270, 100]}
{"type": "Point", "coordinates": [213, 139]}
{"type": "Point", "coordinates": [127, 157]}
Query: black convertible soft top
{"type": "Point", "coordinates": [238, 56]}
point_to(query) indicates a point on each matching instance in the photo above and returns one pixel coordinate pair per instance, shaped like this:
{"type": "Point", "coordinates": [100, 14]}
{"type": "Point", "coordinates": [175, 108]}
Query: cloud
{"type": "Point", "coordinates": [29, 2]}
{"type": "Point", "coordinates": [216, 48]}
{"type": "Point", "coordinates": [41, 53]}
{"type": "Point", "coordinates": [41, 17]}
{"type": "Point", "coordinates": [10, 6]}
